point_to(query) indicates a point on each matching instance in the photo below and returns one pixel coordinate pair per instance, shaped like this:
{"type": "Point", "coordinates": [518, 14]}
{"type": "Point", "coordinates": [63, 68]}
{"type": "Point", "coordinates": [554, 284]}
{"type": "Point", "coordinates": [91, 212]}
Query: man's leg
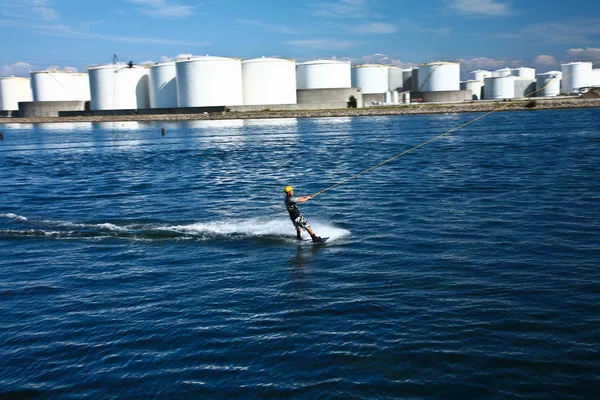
{"type": "Point", "coordinates": [299, 233]}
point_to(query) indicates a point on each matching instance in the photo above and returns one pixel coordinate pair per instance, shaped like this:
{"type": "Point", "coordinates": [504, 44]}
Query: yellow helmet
{"type": "Point", "coordinates": [288, 189]}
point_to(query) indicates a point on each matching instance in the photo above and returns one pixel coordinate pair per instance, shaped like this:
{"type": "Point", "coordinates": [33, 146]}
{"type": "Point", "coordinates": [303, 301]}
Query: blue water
{"type": "Point", "coordinates": [136, 265]}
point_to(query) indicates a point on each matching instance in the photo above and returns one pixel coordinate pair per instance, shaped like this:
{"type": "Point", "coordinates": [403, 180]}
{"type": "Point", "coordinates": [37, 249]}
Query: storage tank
{"type": "Point", "coordinates": [548, 84]}
{"type": "Point", "coordinates": [407, 79]}
{"type": "Point", "coordinates": [395, 79]}
{"type": "Point", "coordinates": [323, 74]}
{"type": "Point", "coordinates": [499, 87]}
{"type": "Point", "coordinates": [524, 72]}
{"type": "Point", "coordinates": [57, 85]}
{"type": "Point", "coordinates": [596, 77]}
{"type": "Point", "coordinates": [474, 86]}
{"type": "Point", "coordinates": [209, 81]}
{"type": "Point", "coordinates": [524, 87]}
{"type": "Point", "coordinates": [576, 75]}
{"type": "Point", "coordinates": [162, 85]}
{"type": "Point", "coordinates": [269, 81]}
{"type": "Point", "coordinates": [119, 87]}
{"type": "Point", "coordinates": [439, 76]}
{"type": "Point", "coordinates": [480, 74]}
{"type": "Point", "coordinates": [371, 78]}
{"type": "Point", "coordinates": [13, 90]}
{"type": "Point", "coordinates": [502, 72]}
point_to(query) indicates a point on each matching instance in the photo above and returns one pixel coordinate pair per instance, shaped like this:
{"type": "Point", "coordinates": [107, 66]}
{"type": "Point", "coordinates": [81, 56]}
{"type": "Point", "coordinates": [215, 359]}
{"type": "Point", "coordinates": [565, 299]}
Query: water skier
{"type": "Point", "coordinates": [297, 219]}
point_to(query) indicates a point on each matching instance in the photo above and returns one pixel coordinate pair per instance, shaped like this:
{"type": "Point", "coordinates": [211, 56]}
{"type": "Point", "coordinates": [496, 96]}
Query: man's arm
{"type": "Point", "coordinates": [302, 199]}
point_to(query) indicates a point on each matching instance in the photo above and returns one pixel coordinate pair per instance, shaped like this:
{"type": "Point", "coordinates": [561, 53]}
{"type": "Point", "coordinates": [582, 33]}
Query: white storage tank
{"type": "Point", "coordinates": [502, 72]}
{"type": "Point", "coordinates": [596, 77]}
{"type": "Point", "coordinates": [118, 87]}
{"type": "Point", "coordinates": [57, 85]}
{"type": "Point", "coordinates": [13, 90]}
{"type": "Point", "coordinates": [524, 87]}
{"type": "Point", "coordinates": [499, 87]}
{"type": "Point", "coordinates": [576, 75]}
{"type": "Point", "coordinates": [480, 74]}
{"type": "Point", "coordinates": [474, 86]}
{"type": "Point", "coordinates": [407, 79]}
{"type": "Point", "coordinates": [371, 78]}
{"type": "Point", "coordinates": [524, 72]}
{"type": "Point", "coordinates": [162, 85]}
{"type": "Point", "coordinates": [323, 74]}
{"type": "Point", "coordinates": [395, 79]}
{"type": "Point", "coordinates": [548, 84]}
{"type": "Point", "coordinates": [209, 81]}
{"type": "Point", "coordinates": [269, 81]}
{"type": "Point", "coordinates": [439, 76]}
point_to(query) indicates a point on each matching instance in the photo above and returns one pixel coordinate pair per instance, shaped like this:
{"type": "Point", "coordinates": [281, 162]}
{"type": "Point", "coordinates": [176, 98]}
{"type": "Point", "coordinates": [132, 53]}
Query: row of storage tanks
{"type": "Point", "coordinates": [508, 83]}
{"type": "Point", "coordinates": [217, 81]}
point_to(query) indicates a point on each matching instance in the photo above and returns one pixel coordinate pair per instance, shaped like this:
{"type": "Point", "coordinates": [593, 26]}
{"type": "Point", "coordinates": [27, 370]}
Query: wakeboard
{"type": "Point", "coordinates": [321, 240]}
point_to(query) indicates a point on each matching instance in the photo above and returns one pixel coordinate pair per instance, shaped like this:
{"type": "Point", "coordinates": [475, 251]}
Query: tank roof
{"type": "Point", "coordinates": [439, 63]}
{"type": "Point", "coordinates": [324, 62]}
{"type": "Point", "coordinates": [207, 58]}
{"type": "Point", "coordinates": [267, 60]}
{"type": "Point", "coordinates": [370, 66]}
{"type": "Point", "coordinates": [13, 77]}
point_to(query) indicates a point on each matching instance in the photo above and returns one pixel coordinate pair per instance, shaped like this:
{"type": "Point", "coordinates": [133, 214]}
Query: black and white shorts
{"type": "Point", "coordinates": [301, 222]}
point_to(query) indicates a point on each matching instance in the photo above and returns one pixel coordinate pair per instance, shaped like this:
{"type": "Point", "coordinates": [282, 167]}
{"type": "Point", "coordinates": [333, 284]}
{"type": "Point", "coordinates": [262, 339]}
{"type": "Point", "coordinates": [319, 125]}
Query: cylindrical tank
{"type": "Point", "coordinates": [576, 75]}
{"type": "Point", "coordinates": [596, 77]}
{"type": "Point", "coordinates": [475, 88]}
{"type": "Point", "coordinates": [395, 97]}
{"type": "Point", "coordinates": [209, 81]}
{"type": "Point", "coordinates": [323, 74]}
{"type": "Point", "coordinates": [415, 80]}
{"type": "Point", "coordinates": [269, 81]}
{"type": "Point", "coordinates": [407, 79]}
{"type": "Point", "coordinates": [548, 84]}
{"type": "Point", "coordinates": [480, 75]}
{"type": "Point", "coordinates": [439, 76]}
{"type": "Point", "coordinates": [406, 97]}
{"type": "Point", "coordinates": [395, 79]}
{"type": "Point", "coordinates": [499, 87]}
{"type": "Point", "coordinates": [524, 72]}
{"type": "Point", "coordinates": [13, 90]}
{"type": "Point", "coordinates": [524, 87]}
{"type": "Point", "coordinates": [499, 73]}
{"type": "Point", "coordinates": [162, 85]}
{"type": "Point", "coordinates": [56, 85]}
{"type": "Point", "coordinates": [371, 78]}
{"type": "Point", "coordinates": [119, 87]}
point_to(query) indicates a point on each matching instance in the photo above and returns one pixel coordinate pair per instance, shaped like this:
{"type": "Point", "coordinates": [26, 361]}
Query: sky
{"type": "Point", "coordinates": [487, 34]}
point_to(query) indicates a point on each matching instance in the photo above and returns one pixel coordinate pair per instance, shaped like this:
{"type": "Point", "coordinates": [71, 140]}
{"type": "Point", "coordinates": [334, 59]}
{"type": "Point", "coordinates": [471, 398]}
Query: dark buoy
{"type": "Point", "coordinates": [163, 131]}
{"type": "Point", "coordinates": [1, 135]}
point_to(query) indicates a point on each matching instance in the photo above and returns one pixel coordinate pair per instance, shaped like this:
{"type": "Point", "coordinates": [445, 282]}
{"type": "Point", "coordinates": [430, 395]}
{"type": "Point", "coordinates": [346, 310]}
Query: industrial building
{"type": "Point", "coordinates": [209, 83]}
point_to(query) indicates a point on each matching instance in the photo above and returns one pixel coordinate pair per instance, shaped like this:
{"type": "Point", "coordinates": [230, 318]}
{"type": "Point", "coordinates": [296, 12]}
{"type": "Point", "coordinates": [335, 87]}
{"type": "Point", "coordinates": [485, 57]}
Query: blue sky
{"type": "Point", "coordinates": [490, 34]}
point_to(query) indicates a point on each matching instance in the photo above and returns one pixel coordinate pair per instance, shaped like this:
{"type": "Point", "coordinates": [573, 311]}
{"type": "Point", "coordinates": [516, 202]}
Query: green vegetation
{"type": "Point", "coordinates": [531, 104]}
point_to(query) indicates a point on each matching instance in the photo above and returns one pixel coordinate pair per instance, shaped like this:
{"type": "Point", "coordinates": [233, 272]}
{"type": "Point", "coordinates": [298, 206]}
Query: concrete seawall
{"type": "Point", "coordinates": [541, 104]}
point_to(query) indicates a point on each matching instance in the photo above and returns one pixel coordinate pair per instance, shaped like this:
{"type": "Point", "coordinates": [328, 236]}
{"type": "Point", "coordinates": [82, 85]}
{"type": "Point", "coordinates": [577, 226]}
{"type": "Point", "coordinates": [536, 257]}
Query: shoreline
{"type": "Point", "coordinates": [422, 108]}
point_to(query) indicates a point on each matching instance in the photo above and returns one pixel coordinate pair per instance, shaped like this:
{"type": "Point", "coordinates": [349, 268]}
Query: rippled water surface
{"type": "Point", "coordinates": [136, 265]}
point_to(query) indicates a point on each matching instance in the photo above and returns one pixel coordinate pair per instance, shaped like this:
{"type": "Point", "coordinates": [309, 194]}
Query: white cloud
{"type": "Point", "coordinates": [30, 10]}
{"type": "Point", "coordinates": [480, 7]}
{"type": "Point", "coordinates": [268, 27]}
{"type": "Point", "coordinates": [374, 28]}
{"type": "Point", "coordinates": [16, 69]}
{"type": "Point", "coordinates": [341, 9]}
{"type": "Point", "coordinates": [587, 54]}
{"type": "Point", "coordinates": [74, 33]}
{"type": "Point", "coordinates": [323, 44]}
{"type": "Point", "coordinates": [163, 8]}
{"type": "Point", "coordinates": [545, 60]}
{"type": "Point", "coordinates": [379, 58]}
